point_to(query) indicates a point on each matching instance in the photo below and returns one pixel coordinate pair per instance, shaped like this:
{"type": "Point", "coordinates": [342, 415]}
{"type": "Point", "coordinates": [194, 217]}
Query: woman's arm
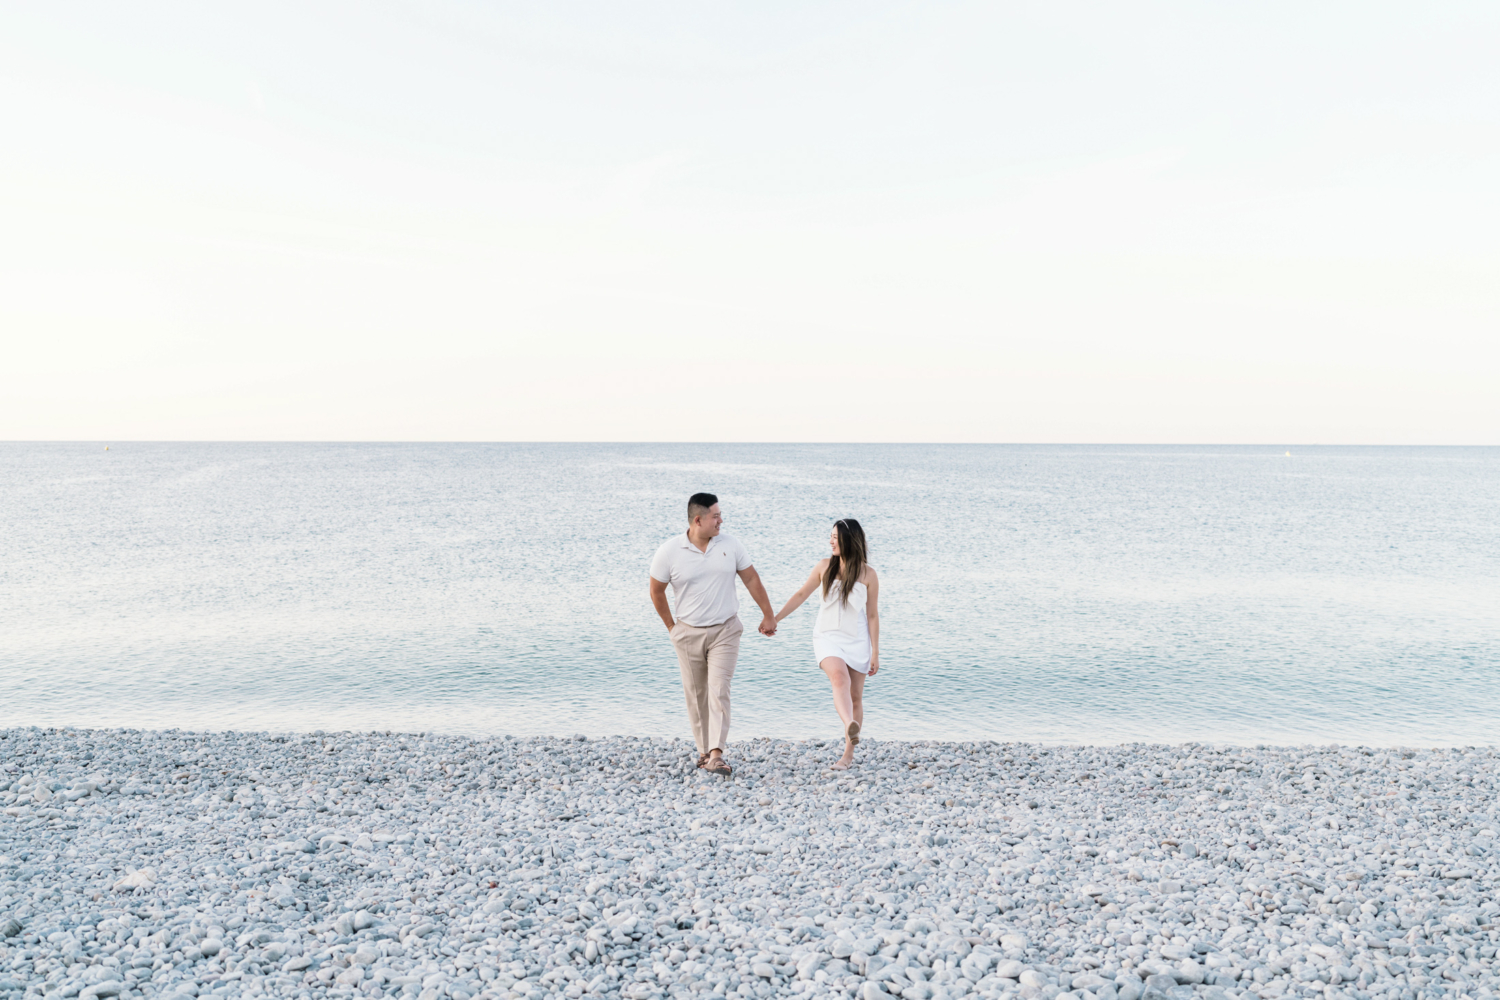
{"type": "Point", "coordinates": [872, 612]}
{"type": "Point", "coordinates": [804, 592]}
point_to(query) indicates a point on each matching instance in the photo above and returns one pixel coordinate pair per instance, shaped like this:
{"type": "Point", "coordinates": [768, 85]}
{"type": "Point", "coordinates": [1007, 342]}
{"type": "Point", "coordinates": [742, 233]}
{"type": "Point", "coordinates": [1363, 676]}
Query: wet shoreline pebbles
{"type": "Point", "coordinates": [172, 864]}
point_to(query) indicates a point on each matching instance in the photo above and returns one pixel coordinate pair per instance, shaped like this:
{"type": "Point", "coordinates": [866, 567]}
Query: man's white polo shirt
{"type": "Point", "coordinates": [702, 582]}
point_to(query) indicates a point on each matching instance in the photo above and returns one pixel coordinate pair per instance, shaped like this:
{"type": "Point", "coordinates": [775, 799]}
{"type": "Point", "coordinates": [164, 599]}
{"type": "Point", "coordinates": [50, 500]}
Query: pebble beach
{"type": "Point", "coordinates": [176, 864]}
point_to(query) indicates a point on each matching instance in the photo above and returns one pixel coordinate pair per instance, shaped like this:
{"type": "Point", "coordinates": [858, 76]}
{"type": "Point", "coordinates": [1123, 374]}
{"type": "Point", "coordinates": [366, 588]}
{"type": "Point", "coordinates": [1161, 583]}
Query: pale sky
{"type": "Point", "coordinates": [706, 221]}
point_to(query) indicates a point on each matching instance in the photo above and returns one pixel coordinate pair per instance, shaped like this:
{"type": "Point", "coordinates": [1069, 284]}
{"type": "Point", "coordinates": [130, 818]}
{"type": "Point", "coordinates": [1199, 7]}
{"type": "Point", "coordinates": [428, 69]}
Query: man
{"type": "Point", "coordinates": [701, 565]}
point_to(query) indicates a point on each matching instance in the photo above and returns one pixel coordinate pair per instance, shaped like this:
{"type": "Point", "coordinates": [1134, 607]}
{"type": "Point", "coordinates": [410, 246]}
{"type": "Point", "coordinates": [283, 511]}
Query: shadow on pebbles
{"type": "Point", "coordinates": [230, 864]}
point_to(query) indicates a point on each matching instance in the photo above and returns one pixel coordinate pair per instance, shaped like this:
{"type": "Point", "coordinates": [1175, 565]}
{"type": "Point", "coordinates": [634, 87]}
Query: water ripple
{"type": "Point", "coordinates": [1064, 594]}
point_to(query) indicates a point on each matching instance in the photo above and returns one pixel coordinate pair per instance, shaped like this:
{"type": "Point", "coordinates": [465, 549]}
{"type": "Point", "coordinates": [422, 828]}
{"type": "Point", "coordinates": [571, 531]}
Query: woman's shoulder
{"type": "Point", "coordinates": [868, 575]}
{"type": "Point", "coordinates": [822, 565]}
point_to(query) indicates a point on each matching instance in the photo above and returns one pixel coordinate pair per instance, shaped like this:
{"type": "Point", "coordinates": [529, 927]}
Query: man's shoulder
{"type": "Point", "coordinates": [731, 541]}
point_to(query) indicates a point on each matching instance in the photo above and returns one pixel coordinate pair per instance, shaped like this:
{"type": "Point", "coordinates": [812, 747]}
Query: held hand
{"type": "Point", "coordinates": [768, 625]}
{"type": "Point", "coordinates": [874, 665]}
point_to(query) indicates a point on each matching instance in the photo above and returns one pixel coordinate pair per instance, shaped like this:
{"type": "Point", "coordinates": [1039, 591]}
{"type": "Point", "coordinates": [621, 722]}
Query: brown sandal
{"type": "Point", "coordinates": [702, 759]}
{"type": "Point", "coordinates": [852, 734]}
{"type": "Point", "coordinates": [721, 767]}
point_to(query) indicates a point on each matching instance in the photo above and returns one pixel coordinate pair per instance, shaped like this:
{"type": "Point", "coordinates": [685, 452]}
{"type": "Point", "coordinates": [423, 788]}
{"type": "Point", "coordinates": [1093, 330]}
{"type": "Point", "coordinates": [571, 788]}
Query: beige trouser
{"type": "Point", "coordinates": [707, 656]}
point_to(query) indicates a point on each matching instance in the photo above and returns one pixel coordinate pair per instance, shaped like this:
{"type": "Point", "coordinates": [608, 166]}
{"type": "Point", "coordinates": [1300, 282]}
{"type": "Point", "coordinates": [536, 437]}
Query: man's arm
{"type": "Point", "coordinates": [759, 596]}
{"type": "Point", "coordinates": [659, 600]}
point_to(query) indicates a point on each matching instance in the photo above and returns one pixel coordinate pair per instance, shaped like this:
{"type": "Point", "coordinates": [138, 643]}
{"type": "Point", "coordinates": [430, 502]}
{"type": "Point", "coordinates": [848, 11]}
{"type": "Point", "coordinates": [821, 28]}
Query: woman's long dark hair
{"type": "Point", "coordinates": [847, 566]}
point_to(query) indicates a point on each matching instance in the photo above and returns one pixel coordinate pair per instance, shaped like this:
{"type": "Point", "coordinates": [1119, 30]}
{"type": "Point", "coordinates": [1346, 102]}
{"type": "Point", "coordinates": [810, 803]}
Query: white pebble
{"type": "Point", "coordinates": [436, 866]}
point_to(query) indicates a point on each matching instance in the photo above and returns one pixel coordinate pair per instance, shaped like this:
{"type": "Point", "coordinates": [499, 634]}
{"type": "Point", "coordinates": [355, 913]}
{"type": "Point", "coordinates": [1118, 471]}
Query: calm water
{"type": "Point", "coordinates": [1066, 594]}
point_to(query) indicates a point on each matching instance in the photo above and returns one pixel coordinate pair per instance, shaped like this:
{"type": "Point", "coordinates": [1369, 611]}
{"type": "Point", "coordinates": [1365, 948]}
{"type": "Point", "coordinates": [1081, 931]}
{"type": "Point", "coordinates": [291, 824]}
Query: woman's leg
{"type": "Point", "coordinates": [838, 675]}
{"type": "Point", "coordinates": [856, 689]}
{"type": "Point", "coordinates": [857, 696]}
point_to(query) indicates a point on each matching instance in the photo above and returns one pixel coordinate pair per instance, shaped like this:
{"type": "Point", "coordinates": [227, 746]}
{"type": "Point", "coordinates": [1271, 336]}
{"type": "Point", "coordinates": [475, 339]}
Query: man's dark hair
{"type": "Point", "coordinates": [699, 503]}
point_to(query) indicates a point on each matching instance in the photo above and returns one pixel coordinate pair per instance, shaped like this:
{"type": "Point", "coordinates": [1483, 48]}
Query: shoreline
{"type": "Point", "coordinates": [162, 864]}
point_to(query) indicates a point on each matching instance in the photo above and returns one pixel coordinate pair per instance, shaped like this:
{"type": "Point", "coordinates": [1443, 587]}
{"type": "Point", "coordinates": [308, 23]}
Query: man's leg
{"type": "Point", "coordinates": [723, 653]}
{"type": "Point", "coordinates": [692, 660]}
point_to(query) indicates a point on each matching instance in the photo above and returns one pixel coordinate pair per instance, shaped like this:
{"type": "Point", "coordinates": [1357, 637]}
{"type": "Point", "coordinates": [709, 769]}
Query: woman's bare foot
{"type": "Point", "coordinates": [839, 765]}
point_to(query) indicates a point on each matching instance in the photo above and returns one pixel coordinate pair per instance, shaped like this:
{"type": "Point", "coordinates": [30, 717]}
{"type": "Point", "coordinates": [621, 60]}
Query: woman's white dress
{"type": "Point", "coordinates": [843, 630]}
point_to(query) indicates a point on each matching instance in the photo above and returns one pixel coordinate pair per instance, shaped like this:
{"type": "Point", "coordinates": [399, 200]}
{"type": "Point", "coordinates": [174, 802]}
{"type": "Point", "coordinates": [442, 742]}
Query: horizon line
{"type": "Point", "coordinates": [910, 444]}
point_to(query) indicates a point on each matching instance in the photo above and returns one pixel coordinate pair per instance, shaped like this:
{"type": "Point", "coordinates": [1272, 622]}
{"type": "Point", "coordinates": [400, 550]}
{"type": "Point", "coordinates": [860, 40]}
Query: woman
{"type": "Point", "coordinates": [846, 639]}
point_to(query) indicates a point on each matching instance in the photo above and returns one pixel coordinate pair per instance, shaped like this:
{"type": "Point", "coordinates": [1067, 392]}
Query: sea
{"type": "Point", "coordinates": [1076, 594]}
